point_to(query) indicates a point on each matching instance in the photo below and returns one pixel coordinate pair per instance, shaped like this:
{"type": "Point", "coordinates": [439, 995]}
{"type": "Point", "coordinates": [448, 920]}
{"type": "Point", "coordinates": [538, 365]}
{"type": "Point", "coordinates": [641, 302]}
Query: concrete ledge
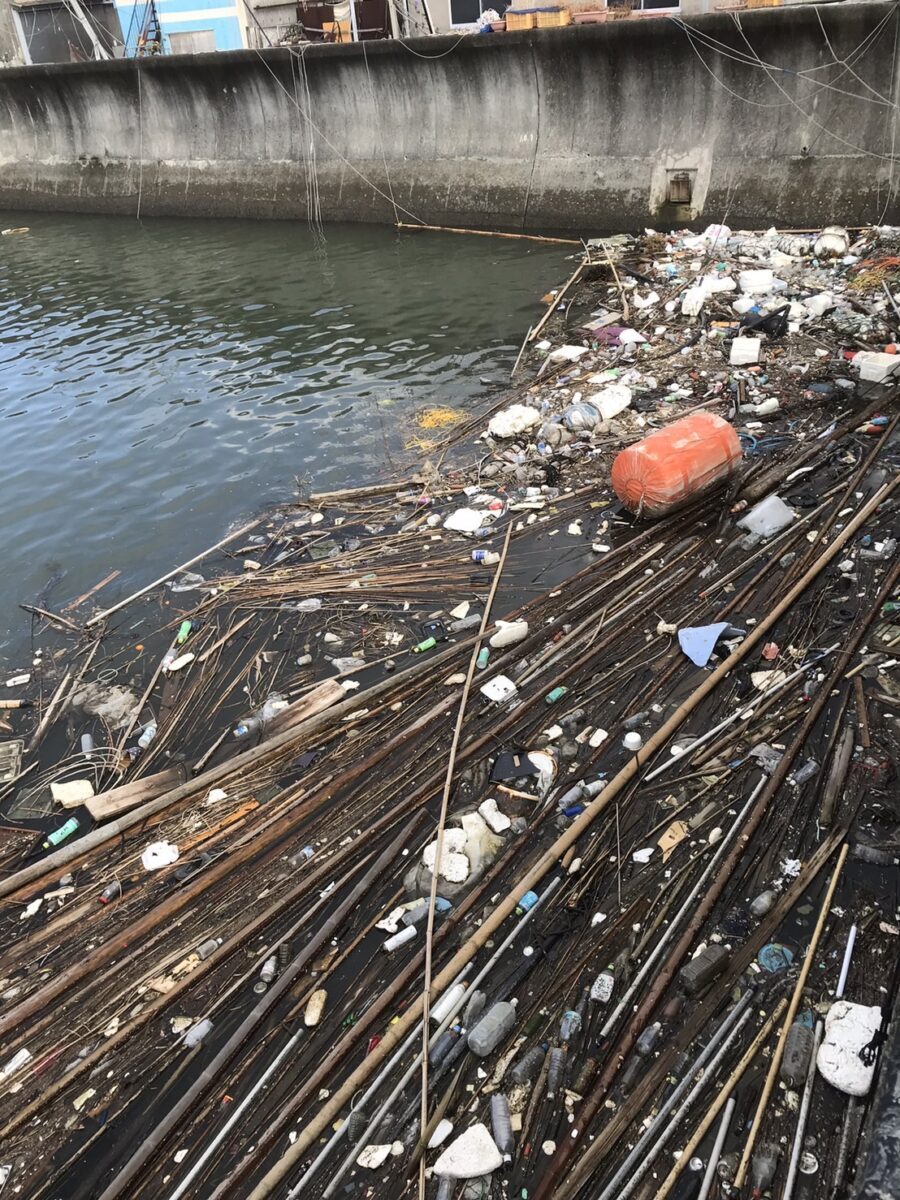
{"type": "Point", "coordinates": [575, 128]}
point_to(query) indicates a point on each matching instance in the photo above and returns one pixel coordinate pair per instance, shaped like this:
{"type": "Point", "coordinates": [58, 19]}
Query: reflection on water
{"type": "Point", "coordinates": [158, 380]}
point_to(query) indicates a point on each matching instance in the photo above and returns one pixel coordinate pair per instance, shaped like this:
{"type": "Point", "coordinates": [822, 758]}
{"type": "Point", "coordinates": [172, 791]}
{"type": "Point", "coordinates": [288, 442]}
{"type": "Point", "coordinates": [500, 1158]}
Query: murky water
{"type": "Point", "coordinates": [159, 380]}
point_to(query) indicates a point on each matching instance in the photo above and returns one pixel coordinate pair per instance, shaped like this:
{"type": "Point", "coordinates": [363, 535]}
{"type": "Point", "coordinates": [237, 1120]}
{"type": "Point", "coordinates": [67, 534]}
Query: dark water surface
{"type": "Point", "coordinates": [160, 380]}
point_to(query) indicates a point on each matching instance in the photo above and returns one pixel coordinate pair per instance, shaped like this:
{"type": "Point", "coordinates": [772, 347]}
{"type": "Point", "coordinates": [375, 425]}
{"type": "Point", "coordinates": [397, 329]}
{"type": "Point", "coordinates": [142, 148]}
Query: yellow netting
{"type": "Point", "coordinates": [437, 418]}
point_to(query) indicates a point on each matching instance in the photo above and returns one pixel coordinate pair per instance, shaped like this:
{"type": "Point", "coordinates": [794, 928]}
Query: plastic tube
{"type": "Point", "coordinates": [845, 965]}
{"type": "Point", "coordinates": [735, 716]}
{"type": "Point", "coordinates": [716, 1152]}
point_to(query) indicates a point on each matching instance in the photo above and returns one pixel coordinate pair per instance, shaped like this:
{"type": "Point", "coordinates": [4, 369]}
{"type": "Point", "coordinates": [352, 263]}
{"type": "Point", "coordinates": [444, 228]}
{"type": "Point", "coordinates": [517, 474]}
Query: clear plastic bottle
{"type": "Point", "coordinates": [210, 946]}
{"type": "Point", "coordinates": [492, 1028]}
{"type": "Point", "coordinates": [556, 1071]}
{"type": "Point", "coordinates": [474, 1008]}
{"type": "Point", "coordinates": [646, 1043]}
{"type": "Point", "coordinates": [798, 1047]}
{"type": "Point", "coordinates": [763, 1166]}
{"type": "Point", "coordinates": [260, 718]}
{"type": "Point", "coordinates": [501, 1126]}
{"type": "Point", "coordinates": [529, 1065]}
{"type": "Point", "coordinates": [148, 734]}
{"type": "Point", "coordinates": [269, 969]}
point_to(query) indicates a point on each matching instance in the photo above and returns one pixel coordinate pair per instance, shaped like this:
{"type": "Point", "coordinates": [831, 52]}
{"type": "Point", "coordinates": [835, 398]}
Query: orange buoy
{"type": "Point", "coordinates": [671, 465]}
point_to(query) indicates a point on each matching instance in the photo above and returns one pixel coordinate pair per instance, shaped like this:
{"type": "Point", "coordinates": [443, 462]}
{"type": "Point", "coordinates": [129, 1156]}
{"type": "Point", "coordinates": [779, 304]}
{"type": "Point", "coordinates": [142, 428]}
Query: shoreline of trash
{"type": "Point", "coordinates": [627, 677]}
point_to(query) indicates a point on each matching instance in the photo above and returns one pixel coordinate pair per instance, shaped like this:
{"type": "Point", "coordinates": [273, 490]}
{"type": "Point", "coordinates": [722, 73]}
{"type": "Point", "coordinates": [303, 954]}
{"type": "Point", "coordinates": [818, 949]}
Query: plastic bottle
{"type": "Point", "coordinates": [112, 891]}
{"type": "Point", "coordinates": [570, 1025]}
{"type": "Point", "coordinates": [872, 854]}
{"type": "Point", "coordinates": [449, 1002]}
{"type": "Point", "coordinates": [483, 657]}
{"type": "Point", "coordinates": [529, 1065]}
{"type": "Point", "coordinates": [400, 939]}
{"type": "Point", "coordinates": [501, 1126]}
{"type": "Point", "coordinates": [646, 1043]}
{"type": "Point", "coordinates": [60, 835]}
{"type": "Point", "coordinates": [472, 621]}
{"type": "Point", "coordinates": [185, 629]}
{"type": "Point", "coordinates": [763, 903]}
{"type": "Point", "coordinates": [474, 1008]}
{"type": "Point", "coordinates": [602, 988]}
{"type": "Point", "coordinates": [526, 904]}
{"type": "Point", "coordinates": [492, 1028]}
{"type": "Point", "coordinates": [261, 717]}
{"type": "Point", "coordinates": [556, 1071]}
{"type": "Point", "coordinates": [269, 969]}
{"type": "Point", "coordinates": [87, 745]}
{"type": "Point", "coordinates": [301, 857]}
{"type": "Point", "coordinates": [634, 721]}
{"type": "Point", "coordinates": [798, 1047]}
{"type": "Point", "coordinates": [210, 946]}
{"type": "Point", "coordinates": [804, 773]}
{"type": "Point", "coordinates": [444, 1043]}
{"type": "Point", "coordinates": [197, 1033]}
{"type": "Point", "coordinates": [763, 1166]}
{"type": "Point", "coordinates": [168, 658]}
{"type": "Point", "coordinates": [556, 694]}
{"type": "Point", "coordinates": [428, 644]}
{"type": "Point", "coordinates": [487, 557]}
{"type": "Point", "coordinates": [148, 734]}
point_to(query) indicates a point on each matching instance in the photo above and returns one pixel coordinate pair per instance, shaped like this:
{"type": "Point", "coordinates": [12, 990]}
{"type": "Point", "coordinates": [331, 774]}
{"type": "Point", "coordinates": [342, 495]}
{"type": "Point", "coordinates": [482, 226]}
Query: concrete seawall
{"type": "Point", "coordinates": [582, 128]}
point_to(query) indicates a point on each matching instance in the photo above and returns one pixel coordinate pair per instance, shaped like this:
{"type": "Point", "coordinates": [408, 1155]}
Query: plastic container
{"type": "Point", "coordinates": [60, 835]}
{"type": "Point", "coordinates": [529, 1065]}
{"type": "Point", "coordinates": [400, 939]}
{"type": "Point", "coordinates": [763, 903]}
{"type": "Point", "coordinates": [492, 1028]}
{"type": "Point", "coordinates": [501, 1126]}
{"type": "Point", "coordinates": [798, 1048]}
{"type": "Point", "coordinates": [87, 745]}
{"type": "Point", "coordinates": [768, 517]}
{"type": "Point", "coordinates": [556, 1071]}
{"type": "Point", "coordinates": [702, 970]}
{"type": "Point", "coordinates": [210, 946]}
{"type": "Point", "coordinates": [875, 367]}
{"type": "Point", "coordinates": [671, 465]}
{"type": "Point", "coordinates": [197, 1033]}
{"type": "Point", "coordinates": [632, 741]}
{"type": "Point", "coordinates": [602, 988]}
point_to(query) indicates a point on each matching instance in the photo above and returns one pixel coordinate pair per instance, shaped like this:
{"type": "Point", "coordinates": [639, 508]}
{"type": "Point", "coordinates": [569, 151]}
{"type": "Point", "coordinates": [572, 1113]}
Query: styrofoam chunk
{"type": "Point", "coordinates": [472, 1153]}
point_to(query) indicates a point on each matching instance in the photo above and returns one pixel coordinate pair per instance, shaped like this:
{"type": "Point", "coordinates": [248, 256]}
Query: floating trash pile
{"type": "Point", "coordinates": [528, 828]}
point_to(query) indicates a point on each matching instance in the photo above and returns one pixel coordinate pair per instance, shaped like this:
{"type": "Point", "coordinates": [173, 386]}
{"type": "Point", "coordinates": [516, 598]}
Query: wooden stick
{"type": "Point", "coordinates": [551, 309]}
{"type": "Point", "coordinates": [791, 1013]}
{"type": "Point", "coordinates": [227, 636]}
{"type": "Point", "coordinates": [107, 612]}
{"type": "Point", "coordinates": [522, 237]}
{"type": "Point", "coordinates": [862, 716]}
{"type": "Point", "coordinates": [96, 588]}
{"type": "Point", "coordinates": [612, 267]}
{"type": "Point", "coordinates": [720, 1101]}
{"type": "Point", "coordinates": [53, 618]}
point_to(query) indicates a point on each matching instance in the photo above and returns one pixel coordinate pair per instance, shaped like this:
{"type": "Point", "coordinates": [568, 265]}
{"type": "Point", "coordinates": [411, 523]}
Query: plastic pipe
{"type": "Point", "coordinates": [845, 965]}
{"type": "Point", "coordinates": [716, 1153]}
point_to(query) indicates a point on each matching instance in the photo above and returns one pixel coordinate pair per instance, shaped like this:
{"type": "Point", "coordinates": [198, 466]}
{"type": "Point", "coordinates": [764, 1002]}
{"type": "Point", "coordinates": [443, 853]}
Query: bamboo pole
{"type": "Point", "coordinates": [108, 612]}
{"type": "Point", "coordinates": [522, 237]}
{"type": "Point", "coordinates": [791, 1013]}
{"type": "Point", "coordinates": [546, 862]}
{"type": "Point", "coordinates": [551, 309]}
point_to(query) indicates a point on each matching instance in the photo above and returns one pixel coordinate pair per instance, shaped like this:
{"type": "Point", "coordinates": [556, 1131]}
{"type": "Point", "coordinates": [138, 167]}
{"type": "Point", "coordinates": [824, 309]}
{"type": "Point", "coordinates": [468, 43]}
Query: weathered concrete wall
{"type": "Point", "coordinates": [568, 129]}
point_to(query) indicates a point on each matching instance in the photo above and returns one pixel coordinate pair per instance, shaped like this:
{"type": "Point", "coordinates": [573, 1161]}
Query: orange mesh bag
{"type": "Point", "coordinates": [671, 465]}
